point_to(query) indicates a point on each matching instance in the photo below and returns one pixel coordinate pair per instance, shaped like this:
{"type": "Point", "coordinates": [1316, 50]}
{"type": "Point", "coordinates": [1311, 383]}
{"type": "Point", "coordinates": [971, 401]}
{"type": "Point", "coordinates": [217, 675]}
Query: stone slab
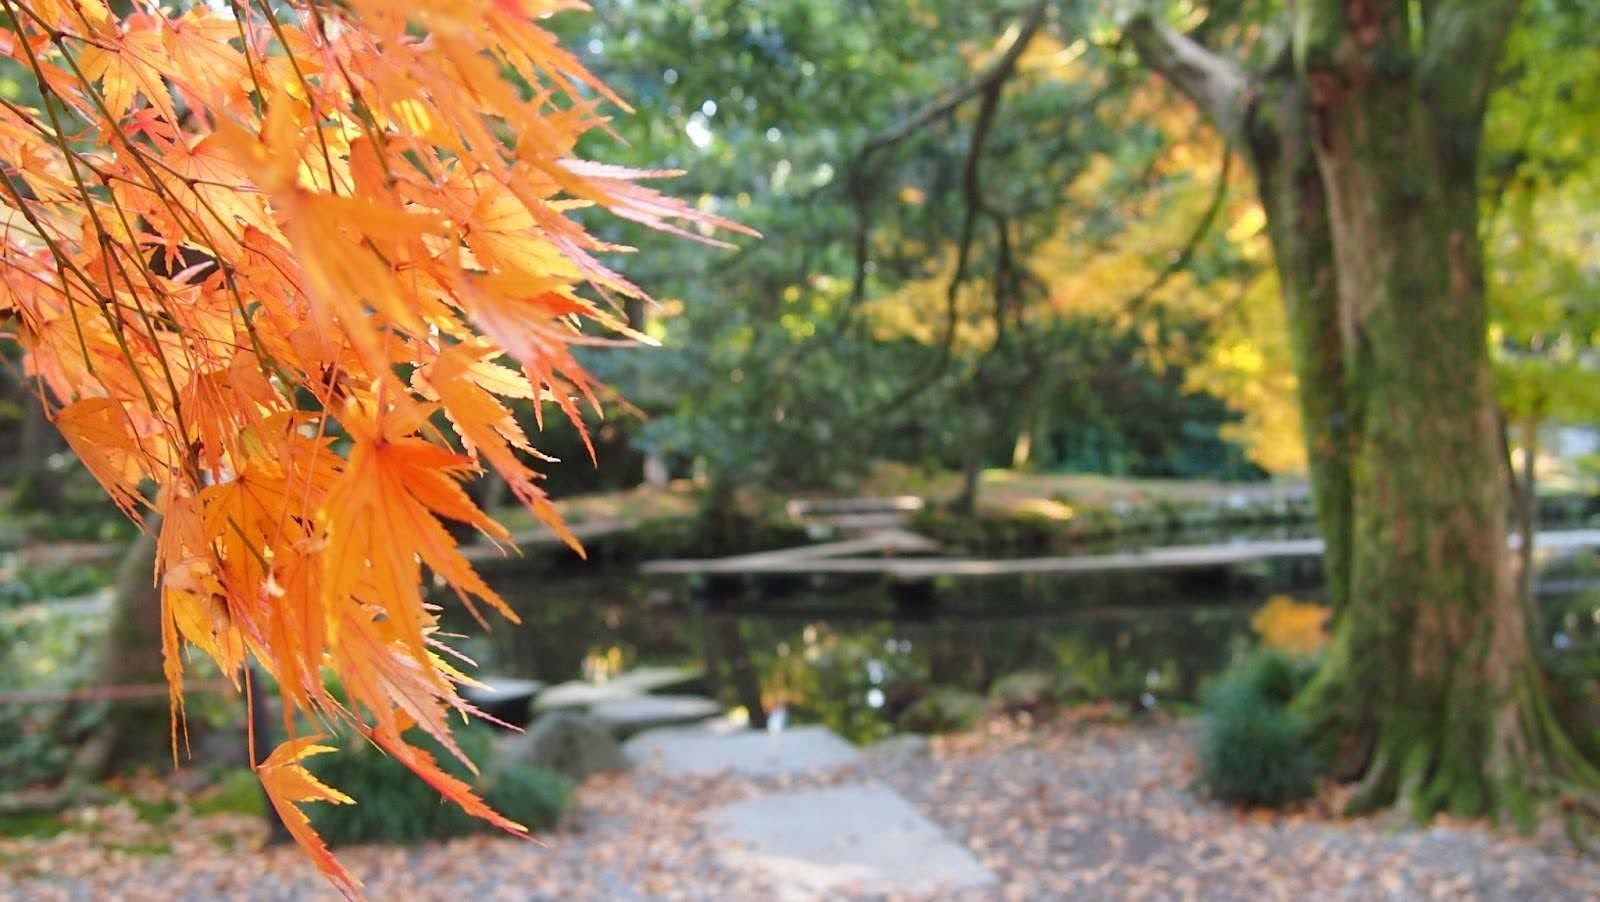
{"type": "Point", "coordinates": [626, 716]}
{"type": "Point", "coordinates": [648, 679]}
{"type": "Point", "coordinates": [639, 681]}
{"type": "Point", "coordinates": [856, 839]}
{"type": "Point", "coordinates": [504, 698]}
{"type": "Point", "coordinates": [697, 751]}
{"type": "Point", "coordinates": [579, 694]}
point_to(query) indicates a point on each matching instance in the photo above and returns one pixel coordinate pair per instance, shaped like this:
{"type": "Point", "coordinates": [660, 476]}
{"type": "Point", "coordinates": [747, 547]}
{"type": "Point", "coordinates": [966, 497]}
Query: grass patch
{"type": "Point", "coordinates": [37, 825]}
{"type": "Point", "coordinates": [140, 848]}
{"type": "Point", "coordinates": [238, 792]}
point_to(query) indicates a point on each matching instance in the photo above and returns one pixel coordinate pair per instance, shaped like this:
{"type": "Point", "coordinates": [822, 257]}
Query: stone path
{"type": "Point", "coordinates": [704, 752]}
{"type": "Point", "coordinates": [859, 838]}
{"type": "Point", "coordinates": [1076, 809]}
{"type": "Point", "coordinates": [856, 837]}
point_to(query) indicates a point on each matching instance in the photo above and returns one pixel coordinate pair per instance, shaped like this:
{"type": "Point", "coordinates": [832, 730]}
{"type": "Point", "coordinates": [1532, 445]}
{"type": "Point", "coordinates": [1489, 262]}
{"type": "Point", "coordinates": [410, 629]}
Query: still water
{"type": "Point", "coordinates": [849, 655]}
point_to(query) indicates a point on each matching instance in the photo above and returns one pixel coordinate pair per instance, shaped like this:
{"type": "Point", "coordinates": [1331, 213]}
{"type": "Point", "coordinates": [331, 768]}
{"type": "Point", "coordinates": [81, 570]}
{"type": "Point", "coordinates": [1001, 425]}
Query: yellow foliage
{"type": "Point", "coordinates": [1293, 626]}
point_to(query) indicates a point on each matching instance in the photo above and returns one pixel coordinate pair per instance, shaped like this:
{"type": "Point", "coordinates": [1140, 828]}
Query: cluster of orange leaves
{"type": "Point", "coordinates": [281, 270]}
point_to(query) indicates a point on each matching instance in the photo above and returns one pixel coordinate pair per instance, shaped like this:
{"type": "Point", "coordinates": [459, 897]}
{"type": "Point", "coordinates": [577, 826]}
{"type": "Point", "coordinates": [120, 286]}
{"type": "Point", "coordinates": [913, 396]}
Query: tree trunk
{"type": "Point", "coordinates": [36, 487]}
{"type": "Point", "coordinates": [1430, 684]}
{"type": "Point", "coordinates": [133, 729]}
{"type": "Point", "coordinates": [1445, 687]}
{"type": "Point", "coordinates": [741, 672]}
{"type": "Point", "coordinates": [1280, 149]}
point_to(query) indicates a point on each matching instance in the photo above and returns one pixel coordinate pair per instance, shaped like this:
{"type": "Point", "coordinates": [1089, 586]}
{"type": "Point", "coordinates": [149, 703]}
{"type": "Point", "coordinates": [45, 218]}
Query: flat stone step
{"type": "Point", "coordinates": [582, 694]}
{"type": "Point", "coordinates": [856, 839]}
{"type": "Point", "coordinates": [627, 716]}
{"type": "Point", "coordinates": [704, 752]}
{"type": "Point", "coordinates": [504, 698]}
{"type": "Point", "coordinates": [648, 679]}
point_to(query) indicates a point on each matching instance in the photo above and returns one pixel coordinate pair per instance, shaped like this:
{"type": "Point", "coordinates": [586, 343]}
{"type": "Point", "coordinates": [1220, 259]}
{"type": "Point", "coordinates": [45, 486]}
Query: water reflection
{"type": "Point", "coordinates": [851, 657]}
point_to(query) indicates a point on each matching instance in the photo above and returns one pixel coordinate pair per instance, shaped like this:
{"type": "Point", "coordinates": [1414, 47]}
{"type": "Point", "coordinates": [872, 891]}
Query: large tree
{"type": "Point", "coordinates": [1364, 133]}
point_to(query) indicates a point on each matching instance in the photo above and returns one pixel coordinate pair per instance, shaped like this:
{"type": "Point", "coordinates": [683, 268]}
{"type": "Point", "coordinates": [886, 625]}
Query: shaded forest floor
{"type": "Point", "coordinates": [1077, 809]}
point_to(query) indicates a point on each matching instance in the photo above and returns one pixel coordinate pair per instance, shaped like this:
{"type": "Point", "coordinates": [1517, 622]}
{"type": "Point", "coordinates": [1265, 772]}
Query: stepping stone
{"type": "Point", "coordinates": [647, 680]}
{"type": "Point", "coordinates": [505, 698]}
{"type": "Point", "coordinates": [579, 694]}
{"type": "Point", "coordinates": [627, 716]}
{"type": "Point", "coordinates": [855, 839]}
{"type": "Point", "coordinates": [636, 682]}
{"type": "Point", "coordinates": [703, 752]}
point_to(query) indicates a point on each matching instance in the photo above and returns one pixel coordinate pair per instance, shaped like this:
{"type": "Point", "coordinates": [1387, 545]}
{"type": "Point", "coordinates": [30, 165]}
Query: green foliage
{"type": "Point", "coordinates": [1032, 690]}
{"type": "Point", "coordinates": [774, 373]}
{"type": "Point", "coordinates": [1254, 749]}
{"type": "Point", "coordinates": [1063, 525]}
{"type": "Point", "coordinates": [236, 792]}
{"type": "Point", "coordinates": [40, 583]}
{"type": "Point", "coordinates": [396, 807]}
{"type": "Point", "coordinates": [834, 678]}
{"type": "Point", "coordinates": [712, 534]}
{"type": "Point", "coordinates": [943, 710]}
{"type": "Point", "coordinates": [42, 648]}
{"type": "Point", "coordinates": [32, 825]}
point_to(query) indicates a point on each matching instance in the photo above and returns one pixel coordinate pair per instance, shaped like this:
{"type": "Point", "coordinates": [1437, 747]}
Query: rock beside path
{"type": "Point", "coordinates": [572, 744]}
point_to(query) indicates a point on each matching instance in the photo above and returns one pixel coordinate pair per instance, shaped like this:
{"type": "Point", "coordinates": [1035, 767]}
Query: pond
{"type": "Point", "coordinates": [852, 656]}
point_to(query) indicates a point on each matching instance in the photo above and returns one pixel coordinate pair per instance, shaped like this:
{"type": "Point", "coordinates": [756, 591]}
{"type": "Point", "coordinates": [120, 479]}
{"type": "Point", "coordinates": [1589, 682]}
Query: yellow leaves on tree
{"type": "Point", "coordinates": [259, 256]}
{"type": "Point", "coordinates": [1299, 627]}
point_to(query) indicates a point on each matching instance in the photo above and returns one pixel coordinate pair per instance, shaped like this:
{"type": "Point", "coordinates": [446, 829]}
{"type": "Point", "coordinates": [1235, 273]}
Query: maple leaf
{"type": "Point", "coordinates": [270, 265]}
{"type": "Point", "coordinates": [289, 785]}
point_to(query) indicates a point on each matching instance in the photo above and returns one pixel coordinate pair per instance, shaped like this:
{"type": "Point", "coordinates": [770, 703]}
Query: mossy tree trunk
{"type": "Point", "coordinates": [1364, 137]}
{"type": "Point", "coordinates": [130, 655]}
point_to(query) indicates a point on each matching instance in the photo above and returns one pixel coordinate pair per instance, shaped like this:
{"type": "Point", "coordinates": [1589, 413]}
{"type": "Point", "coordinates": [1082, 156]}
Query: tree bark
{"type": "Point", "coordinates": [36, 487]}
{"type": "Point", "coordinates": [136, 729]}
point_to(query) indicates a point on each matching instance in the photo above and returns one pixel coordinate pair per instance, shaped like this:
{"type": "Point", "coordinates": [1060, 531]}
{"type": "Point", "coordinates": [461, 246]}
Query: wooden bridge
{"type": "Point", "coordinates": [840, 558]}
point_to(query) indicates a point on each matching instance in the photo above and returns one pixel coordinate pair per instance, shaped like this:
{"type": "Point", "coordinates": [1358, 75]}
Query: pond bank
{"type": "Point", "coordinates": [1077, 809]}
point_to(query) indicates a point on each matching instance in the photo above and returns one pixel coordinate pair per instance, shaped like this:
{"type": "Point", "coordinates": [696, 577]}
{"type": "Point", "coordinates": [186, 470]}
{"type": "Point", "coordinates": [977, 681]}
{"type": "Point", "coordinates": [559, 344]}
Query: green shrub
{"type": "Point", "coordinates": [530, 795]}
{"type": "Point", "coordinates": [1254, 749]}
{"type": "Point", "coordinates": [943, 710]}
{"type": "Point", "coordinates": [236, 792]}
{"type": "Point", "coordinates": [394, 805]}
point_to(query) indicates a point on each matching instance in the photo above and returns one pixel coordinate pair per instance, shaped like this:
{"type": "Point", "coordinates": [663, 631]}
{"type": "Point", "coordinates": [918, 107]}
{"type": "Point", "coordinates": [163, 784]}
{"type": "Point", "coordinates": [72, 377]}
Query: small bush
{"type": "Point", "coordinates": [1254, 749]}
{"type": "Point", "coordinates": [236, 792]}
{"type": "Point", "coordinates": [394, 805]}
{"type": "Point", "coordinates": [943, 710]}
{"type": "Point", "coordinates": [530, 795]}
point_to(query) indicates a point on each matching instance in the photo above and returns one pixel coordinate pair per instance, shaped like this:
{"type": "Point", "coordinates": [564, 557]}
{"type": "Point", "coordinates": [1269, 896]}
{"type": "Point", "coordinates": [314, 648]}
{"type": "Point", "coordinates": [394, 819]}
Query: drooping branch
{"type": "Point", "coordinates": [863, 170]}
{"type": "Point", "coordinates": [1217, 84]}
{"type": "Point", "coordinates": [1202, 227]}
{"type": "Point", "coordinates": [996, 73]}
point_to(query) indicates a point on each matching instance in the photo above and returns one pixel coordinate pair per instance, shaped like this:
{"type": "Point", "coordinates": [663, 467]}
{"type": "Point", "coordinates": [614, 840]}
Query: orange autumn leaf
{"type": "Point", "coordinates": [282, 271]}
{"type": "Point", "coordinates": [289, 785]}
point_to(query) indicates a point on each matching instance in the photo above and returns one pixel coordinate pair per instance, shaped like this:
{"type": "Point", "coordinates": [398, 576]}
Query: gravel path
{"type": "Point", "coordinates": [1075, 810]}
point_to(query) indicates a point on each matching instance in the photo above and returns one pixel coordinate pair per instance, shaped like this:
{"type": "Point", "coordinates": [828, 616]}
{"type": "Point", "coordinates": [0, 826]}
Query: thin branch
{"type": "Point", "coordinates": [1135, 304]}
{"type": "Point", "coordinates": [996, 73]}
{"type": "Point", "coordinates": [863, 172]}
